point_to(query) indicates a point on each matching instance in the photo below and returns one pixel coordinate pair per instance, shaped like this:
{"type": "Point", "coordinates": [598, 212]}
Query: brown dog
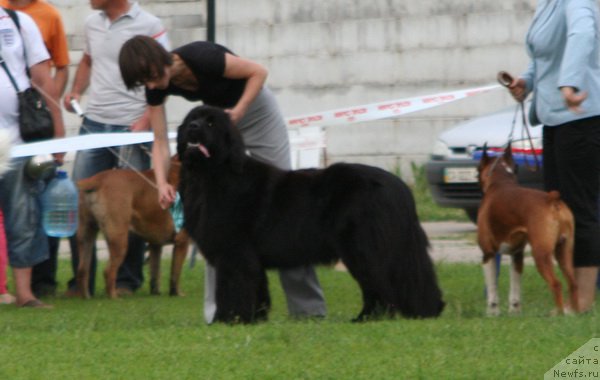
{"type": "Point", "coordinates": [115, 202]}
{"type": "Point", "coordinates": [509, 217]}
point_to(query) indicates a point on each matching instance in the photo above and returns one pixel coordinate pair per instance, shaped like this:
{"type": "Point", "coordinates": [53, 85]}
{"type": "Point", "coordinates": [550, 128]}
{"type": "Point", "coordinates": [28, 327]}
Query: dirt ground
{"type": "Point", "coordinates": [450, 242]}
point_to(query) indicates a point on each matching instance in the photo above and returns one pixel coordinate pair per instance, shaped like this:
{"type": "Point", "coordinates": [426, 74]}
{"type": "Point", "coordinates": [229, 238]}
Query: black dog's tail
{"type": "Point", "coordinates": [413, 277]}
{"type": "Point", "coordinates": [412, 274]}
{"type": "Point", "coordinates": [388, 252]}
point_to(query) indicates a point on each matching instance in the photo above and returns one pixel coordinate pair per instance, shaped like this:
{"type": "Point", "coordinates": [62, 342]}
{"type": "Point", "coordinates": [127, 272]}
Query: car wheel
{"type": "Point", "coordinates": [472, 214]}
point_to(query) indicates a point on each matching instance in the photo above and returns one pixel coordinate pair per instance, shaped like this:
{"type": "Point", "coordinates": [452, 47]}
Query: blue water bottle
{"type": "Point", "coordinates": [60, 206]}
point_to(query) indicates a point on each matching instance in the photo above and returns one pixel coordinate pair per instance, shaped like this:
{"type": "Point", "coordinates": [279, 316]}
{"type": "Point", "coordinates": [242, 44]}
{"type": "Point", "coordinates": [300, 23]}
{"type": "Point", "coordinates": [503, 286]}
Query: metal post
{"type": "Point", "coordinates": [210, 20]}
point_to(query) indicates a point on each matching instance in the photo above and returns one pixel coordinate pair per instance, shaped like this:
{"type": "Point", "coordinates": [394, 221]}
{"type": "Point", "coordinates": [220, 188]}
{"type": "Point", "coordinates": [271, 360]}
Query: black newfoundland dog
{"type": "Point", "coordinates": [247, 216]}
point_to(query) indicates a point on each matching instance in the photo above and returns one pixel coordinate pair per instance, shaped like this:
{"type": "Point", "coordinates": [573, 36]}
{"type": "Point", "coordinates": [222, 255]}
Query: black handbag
{"type": "Point", "coordinates": [35, 119]}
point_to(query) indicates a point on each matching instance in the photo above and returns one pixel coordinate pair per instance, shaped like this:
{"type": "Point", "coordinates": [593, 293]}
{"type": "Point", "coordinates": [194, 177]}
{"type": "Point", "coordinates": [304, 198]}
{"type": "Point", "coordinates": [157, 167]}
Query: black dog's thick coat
{"type": "Point", "coordinates": [247, 216]}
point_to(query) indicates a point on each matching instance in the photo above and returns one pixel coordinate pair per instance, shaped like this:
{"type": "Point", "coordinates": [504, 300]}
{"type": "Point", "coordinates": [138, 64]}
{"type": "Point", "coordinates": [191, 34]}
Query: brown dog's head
{"type": "Point", "coordinates": [207, 137]}
{"type": "Point", "coordinates": [500, 168]}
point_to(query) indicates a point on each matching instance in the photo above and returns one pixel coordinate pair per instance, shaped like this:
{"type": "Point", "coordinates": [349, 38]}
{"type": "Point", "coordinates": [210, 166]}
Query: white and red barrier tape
{"type": "Point", "coordinates": [383, 110]}
{"type": "Point", "coordinates": [342, 116]}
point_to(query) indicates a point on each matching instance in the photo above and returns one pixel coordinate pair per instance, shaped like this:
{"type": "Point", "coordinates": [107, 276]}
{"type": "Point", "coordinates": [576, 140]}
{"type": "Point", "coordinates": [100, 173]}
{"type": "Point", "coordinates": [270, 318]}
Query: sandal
{"type": "Point", "coordinates": [7, 299]}
{"type": "Point", "coordinates": [37, 304]}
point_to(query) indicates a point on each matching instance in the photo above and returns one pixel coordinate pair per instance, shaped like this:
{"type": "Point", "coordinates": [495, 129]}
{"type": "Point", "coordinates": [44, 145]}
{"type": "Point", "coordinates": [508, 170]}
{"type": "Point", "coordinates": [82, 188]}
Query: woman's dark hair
{"type": "Point", "coordinates": [142, 59]}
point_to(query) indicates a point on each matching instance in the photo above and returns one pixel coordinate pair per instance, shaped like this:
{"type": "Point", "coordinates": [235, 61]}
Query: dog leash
{"type": "Point", "coordinates": [526, 129]}
{"type": "Point", "coordinates": [122, 158]}
{"type": "Point", "coordinates": [505, 79]}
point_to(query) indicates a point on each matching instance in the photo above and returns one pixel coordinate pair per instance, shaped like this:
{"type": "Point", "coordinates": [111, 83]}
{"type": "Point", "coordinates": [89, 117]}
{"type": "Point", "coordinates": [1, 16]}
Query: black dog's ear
{"type": "Point", "coordinates": [484, 155]}
{"type": "Point", "coordinates": [180, 145]}
{"type": "Point", "coordinates": [237, 149]}
{"type": "Point", "coordinates": [508, 157]}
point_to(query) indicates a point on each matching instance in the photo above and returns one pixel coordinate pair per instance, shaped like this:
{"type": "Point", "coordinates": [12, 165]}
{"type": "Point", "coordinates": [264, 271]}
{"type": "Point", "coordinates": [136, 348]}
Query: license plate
{"type": "Point", "coordinates": [460, 175]}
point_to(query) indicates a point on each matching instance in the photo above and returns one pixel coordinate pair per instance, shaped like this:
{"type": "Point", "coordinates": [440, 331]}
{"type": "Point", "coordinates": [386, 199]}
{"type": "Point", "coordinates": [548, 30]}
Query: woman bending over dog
{"type": "Point", "coordinates": [211, 73]}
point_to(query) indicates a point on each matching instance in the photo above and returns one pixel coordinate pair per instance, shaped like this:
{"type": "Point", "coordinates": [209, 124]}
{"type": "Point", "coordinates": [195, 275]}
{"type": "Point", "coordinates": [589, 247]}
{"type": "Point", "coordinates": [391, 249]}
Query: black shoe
{"type": "Point", "coordinates": [124, 292]}
{"type": "Point", "coordinates": [44, 290]}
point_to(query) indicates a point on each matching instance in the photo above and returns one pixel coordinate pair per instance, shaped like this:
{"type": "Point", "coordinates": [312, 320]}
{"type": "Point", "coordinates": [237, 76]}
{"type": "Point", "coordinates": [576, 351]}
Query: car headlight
{"type": "Point", "coordinates": [440, 150]}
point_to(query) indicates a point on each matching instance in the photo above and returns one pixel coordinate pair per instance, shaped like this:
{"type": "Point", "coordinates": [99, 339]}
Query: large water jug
{"type": "Point", "coordinates": [59, 206]}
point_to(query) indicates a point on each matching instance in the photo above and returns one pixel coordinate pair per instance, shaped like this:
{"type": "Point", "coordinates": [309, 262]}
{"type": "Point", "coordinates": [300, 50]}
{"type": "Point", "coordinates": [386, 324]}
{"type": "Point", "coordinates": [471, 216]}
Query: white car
{"type": "Point", "coordinates": [452, 168]}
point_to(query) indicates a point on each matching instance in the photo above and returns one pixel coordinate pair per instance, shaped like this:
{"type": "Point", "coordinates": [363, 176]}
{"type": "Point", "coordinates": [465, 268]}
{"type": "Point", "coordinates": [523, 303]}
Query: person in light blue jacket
{"type": "Point", "coordinates": [564, 76]}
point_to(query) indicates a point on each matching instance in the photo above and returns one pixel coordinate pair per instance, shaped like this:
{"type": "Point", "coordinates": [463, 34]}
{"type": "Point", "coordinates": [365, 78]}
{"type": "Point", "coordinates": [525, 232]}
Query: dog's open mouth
{"type": "Point", "coordinates": [200, 147]}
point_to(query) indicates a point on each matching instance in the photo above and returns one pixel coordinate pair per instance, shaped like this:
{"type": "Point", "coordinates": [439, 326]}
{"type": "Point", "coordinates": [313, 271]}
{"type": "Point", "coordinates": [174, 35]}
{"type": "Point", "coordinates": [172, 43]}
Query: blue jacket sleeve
{"type": "Point", "coordinates": [582, 30]}
{"type": "Point", "coordinates": [528, 76]}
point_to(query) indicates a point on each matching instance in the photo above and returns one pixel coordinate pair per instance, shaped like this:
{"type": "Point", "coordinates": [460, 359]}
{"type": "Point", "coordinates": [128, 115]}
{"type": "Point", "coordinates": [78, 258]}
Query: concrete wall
{"type": "Point", "coordinates": [325, 54]}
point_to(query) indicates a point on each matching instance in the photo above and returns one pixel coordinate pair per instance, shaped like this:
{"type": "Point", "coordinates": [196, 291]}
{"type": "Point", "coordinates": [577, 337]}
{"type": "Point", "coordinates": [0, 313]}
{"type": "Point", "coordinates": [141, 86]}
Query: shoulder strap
{"type": "Point", "coordinates": [14, 17]}
{"type": "Point", "coordinates": [12, 80]}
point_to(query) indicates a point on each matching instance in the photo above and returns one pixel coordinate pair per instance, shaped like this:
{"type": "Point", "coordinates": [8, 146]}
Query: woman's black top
{"type": "Point", "coordinates": [206, 60]}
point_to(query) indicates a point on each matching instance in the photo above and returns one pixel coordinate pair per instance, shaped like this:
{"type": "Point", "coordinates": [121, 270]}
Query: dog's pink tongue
{"type": "Point", "coordinates": [204, 151]}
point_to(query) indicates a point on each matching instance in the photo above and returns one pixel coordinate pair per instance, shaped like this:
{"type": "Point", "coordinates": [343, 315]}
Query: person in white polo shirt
{"type": "Point", "coordinates": [22, 48]}
{"type": "Point", "coordinates": [110, 107]}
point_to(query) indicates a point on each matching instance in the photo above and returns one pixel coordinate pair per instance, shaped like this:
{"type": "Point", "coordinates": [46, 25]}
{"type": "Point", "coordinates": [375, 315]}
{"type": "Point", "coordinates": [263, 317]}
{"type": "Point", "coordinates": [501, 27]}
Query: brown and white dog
{"type": "Point", "coordinates": [509, 217]}
{"type": "Point", "coordinates": [119, 201]}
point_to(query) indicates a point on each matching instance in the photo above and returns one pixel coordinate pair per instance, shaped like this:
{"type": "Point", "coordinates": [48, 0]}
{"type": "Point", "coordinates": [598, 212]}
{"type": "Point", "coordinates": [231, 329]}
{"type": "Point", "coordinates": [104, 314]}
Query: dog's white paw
{"type": "Point", "coordinates": [493, 310]}
{"type": "Point", "coordinates": [514, 308]}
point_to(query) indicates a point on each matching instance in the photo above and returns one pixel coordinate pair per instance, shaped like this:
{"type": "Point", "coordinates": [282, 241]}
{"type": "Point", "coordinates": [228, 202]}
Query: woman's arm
{"type": "Point", "coordinates": [255, 75]}
{"type": "Point", "coordinates": [579, 50]}
{"type": "Point", "coordinates": [161, 157]}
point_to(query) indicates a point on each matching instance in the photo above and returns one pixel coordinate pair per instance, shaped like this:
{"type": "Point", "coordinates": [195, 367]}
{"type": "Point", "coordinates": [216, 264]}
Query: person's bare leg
{"type": "Point", "coordinates": [586, 278]}
{"type": "Point", "coordinates": [22, 277]}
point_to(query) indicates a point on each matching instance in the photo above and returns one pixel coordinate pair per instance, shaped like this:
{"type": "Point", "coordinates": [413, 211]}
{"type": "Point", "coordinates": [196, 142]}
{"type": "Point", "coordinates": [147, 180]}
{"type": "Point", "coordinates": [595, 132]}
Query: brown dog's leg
{"type": "Point", "coordinates": [86, 236]}
{"type": "Point", "coordinates": [491, 284]}
{"type": "Point", "coordinates": [543, 262]}
{"type": "Point", "coordinates": [564, 257]}
{"type": "Point", "coordinates": [516, 273]}
{"type": "Point", "coordinates": [155, 254]}
{"type": "Point", "coordinates": [117, 246]}
{"type": "Point", "coordinates": [180, 250]}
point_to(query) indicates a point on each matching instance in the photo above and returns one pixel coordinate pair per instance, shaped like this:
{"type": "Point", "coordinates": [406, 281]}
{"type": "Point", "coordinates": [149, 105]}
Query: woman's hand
{"type": "Point", "coordinates": [518, 89]}
{"type": "Point", "coordinates": [235, 114]}
{"type": "Point", "coordinates": [573, 99]}
{"type": "Point", "coordinates": [166, 195]}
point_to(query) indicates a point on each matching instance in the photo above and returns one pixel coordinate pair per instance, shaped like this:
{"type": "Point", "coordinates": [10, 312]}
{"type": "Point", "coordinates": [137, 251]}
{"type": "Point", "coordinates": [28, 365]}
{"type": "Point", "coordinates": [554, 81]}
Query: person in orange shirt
{"type": "Point", "coordinates": [49, 22]}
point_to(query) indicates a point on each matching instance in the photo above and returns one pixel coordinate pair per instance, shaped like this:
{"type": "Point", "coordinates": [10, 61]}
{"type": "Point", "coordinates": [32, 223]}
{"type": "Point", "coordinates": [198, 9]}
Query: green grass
{"type": "Point", "coordinates": [160, 337]}
{"type": "Point", "coordinates": [150, 337]}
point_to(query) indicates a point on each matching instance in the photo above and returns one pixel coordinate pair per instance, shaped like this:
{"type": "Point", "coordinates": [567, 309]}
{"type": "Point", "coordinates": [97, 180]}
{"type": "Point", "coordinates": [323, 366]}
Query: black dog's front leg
{"type": "Point", "coordinates": [263, 304]}
{"type": "Point", "coordinates": [369, 306]}
{"type": "Point", "coordinates": [242, 293]}
{"type": "Point", "coordinates": [373, 307]}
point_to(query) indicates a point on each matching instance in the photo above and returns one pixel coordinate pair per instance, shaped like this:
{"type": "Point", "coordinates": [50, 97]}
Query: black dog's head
{"type": "Point", "coordinates": [208, 137]}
